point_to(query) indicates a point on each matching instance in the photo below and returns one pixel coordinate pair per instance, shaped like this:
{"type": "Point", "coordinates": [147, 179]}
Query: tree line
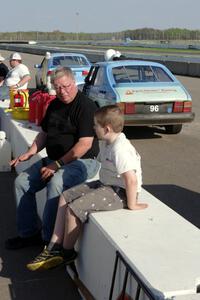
{"type": "Point", "coordinates": [136, 34]}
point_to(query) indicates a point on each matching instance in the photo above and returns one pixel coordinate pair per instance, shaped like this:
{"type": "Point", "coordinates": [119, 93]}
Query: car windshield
{"type": "Point", "coordinates": [127, 74]}
{"type": "Point", "coordinates": [69, 61]}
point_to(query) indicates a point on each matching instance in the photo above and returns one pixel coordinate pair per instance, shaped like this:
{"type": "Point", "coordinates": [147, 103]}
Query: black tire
{"type": "Point", "coordinates": [173, 129]}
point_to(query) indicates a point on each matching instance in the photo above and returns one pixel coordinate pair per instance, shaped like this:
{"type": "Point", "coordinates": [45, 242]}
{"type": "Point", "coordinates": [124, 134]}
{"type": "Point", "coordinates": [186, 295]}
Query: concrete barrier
{"type": "Point", "coordinates": [158, 244]}
{"type": "Point", "coordinates": [178, 67]}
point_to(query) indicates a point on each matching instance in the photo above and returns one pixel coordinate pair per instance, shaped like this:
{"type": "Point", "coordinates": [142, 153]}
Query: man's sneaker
{"type": "Point", "coordinates": [47, 259]}
{"type": "Point", "coordinates": [22, 242]}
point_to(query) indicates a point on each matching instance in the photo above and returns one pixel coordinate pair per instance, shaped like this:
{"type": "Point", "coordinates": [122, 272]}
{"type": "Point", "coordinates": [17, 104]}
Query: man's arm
{"type": "Point", "coordinates": [37, 145]}
{"type": "Point", "coordinates": [131, 191]}
{"type": "Point", "coordinates": [78, 150]}
{"type": "Point", "coordinates": [22, 81]}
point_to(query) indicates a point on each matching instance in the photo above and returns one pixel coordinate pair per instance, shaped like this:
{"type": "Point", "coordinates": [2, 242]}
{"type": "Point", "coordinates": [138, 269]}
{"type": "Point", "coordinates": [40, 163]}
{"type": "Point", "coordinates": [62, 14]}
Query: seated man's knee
{"type": "Point", "coordinates": [20, 180]}
{"type": "Point", "coordinates": [55, 180]}
{"type": "Point", "coordinates": [55, 186]}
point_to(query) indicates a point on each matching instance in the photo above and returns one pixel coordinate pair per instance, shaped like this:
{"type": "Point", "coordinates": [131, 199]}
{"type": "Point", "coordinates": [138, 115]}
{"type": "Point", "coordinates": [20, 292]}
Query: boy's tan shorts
{"type": "Point", "coordinates": [93, 196]}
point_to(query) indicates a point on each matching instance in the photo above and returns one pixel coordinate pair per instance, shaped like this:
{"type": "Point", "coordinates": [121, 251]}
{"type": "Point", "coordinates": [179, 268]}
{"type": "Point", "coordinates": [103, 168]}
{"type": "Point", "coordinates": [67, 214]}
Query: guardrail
{"type": "Point", "coordinates": [186, 66]}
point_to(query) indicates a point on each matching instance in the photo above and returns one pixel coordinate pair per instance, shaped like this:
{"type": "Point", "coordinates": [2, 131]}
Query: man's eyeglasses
{"type": "Point", "coordinates": [63, 87]}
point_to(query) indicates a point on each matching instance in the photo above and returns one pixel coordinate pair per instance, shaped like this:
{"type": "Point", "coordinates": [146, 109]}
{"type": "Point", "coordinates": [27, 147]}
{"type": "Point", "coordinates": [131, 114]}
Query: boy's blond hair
{"type": "Point", "coordinates": [110, 115]}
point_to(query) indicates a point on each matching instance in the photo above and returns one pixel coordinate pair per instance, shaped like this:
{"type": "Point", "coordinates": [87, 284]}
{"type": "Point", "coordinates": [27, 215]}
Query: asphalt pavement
{"type": "Point", "coordinates": [17, 282]}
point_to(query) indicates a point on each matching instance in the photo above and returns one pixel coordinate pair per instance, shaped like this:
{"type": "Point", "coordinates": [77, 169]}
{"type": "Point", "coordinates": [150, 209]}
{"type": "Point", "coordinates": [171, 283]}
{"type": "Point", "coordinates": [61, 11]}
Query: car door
{"type": "Point", "coordinates": [44, 70]}
{"type": "Point", "coordinates": [97, 86]}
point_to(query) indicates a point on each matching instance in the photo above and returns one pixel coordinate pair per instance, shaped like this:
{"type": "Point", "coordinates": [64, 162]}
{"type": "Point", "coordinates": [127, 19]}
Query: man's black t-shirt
{"type": "Point", "coordinates": [66, 123]}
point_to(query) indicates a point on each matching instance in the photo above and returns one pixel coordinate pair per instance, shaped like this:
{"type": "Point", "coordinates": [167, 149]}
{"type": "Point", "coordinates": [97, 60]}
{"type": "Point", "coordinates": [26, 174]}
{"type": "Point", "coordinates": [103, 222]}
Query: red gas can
{"type": "Point", "coordinates": [18, 100]}
{"type": "Point", "coordinates": [32, 105]}
{"type": "Point", "coordinates": [46, 103]}
{"type": "Point", "coordinates": [41, 107]}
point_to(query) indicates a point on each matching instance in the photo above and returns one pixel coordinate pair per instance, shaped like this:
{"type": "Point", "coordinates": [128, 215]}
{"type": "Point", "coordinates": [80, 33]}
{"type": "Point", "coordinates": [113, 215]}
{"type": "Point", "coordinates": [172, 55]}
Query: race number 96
{"type": "Point", "coordinates": [154, 108]}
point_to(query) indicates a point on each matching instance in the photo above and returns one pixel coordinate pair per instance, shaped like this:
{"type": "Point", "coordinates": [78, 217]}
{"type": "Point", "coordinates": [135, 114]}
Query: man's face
{"type": "Point", "coordinates": [66, 89]}
{"type": "Point", "coordinates": [14, 63]}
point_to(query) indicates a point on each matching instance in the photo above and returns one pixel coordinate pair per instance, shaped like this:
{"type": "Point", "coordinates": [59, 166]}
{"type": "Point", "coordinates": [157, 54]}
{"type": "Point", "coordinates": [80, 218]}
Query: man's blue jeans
{"type": "Point", "coordinates": [29, 182]}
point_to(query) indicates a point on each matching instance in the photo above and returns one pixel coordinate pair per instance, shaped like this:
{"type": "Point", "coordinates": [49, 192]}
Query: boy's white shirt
{"type": "Point", "coordinates": [117, 158]}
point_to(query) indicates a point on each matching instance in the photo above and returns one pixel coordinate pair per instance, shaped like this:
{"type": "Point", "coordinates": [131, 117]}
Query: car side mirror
{"type": "Point", "coordinates": [37, 66]}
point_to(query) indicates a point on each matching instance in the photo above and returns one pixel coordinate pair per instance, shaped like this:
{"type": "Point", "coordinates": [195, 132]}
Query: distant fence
{"type": "Point", "coordinates": [181, 66]}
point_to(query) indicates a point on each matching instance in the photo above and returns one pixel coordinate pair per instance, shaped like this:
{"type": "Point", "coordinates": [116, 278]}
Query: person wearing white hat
{"type": "Point", "coordinates": [111, 54]}
{"type": "Point", "coordinates": [19, 76]}
{"type": "Point", "coordinates": [3, 70]}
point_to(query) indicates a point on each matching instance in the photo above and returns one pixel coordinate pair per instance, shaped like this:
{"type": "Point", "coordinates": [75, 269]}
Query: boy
{"type": "Point", "coordinates": [118, 186]}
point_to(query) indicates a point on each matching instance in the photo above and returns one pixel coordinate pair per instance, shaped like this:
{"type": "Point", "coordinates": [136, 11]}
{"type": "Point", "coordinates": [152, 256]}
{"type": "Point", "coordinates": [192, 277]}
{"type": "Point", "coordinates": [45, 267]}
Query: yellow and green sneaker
{"type": "Point", "coordinates": [47, 259]}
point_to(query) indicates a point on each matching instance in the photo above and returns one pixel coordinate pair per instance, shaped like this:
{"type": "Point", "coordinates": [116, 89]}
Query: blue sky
{"type": "Point", "coordinates": [98, 16]}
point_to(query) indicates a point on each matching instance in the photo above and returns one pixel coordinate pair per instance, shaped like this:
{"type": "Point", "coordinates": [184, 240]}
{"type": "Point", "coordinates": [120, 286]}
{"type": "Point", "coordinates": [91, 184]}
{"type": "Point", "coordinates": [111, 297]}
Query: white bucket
{"type": "Point", "coordinates": [5, 153]}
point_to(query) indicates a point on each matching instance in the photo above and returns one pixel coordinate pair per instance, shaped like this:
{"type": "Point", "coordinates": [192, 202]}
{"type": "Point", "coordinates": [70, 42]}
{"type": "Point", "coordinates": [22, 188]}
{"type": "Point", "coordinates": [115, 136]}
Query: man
{"type": "Point", "coordinates": [19, 76]}
{"type": "Point", "coordinates": [113, 55]}
{"type": "Point", "coordinates": [68, 135]}
{"type": "Point", "coordinates": [3, 70]}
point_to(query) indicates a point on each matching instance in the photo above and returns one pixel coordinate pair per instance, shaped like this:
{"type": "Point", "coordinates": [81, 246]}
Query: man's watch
{"type": "Point", "coordinates": [18, 85]}
{"type": "Point", "coordinates": [59, 163]}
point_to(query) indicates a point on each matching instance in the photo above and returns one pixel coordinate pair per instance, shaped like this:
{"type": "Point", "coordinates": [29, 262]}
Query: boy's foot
{"type": "Point", "coordinates": [46, 260]}
{"type": "Point", "coordinates": [22, 242]}
{"type": "Point", "coordinates": [51, 258]}
{"type": "Point", "coordinates": [69, 256]}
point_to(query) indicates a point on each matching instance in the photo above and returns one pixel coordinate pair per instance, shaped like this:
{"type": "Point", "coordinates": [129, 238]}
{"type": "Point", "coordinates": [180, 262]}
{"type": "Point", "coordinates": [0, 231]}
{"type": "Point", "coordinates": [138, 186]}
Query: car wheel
{"type": "Point", "coordinates": [173, 129]}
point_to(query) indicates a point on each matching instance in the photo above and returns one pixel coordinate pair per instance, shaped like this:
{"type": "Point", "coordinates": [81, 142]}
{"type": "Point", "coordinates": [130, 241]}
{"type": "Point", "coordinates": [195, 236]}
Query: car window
{"type": "Point", "coordinates": [124, 74]}
{"type": "Point", "coordinates": [161, 75]}
{"type": "Point", "coordinates": [127, 74]}
{"type": "Point", "coordinates": [99, 78]}
{"type": "Point", "coordinates": [69, 61]}
{"type": "Point", "coordinates": [91, 75]}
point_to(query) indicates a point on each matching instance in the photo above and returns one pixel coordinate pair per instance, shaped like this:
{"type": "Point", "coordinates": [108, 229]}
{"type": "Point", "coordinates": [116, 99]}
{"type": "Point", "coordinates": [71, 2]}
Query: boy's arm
{"type": "Point", "coordinates": [131, 191]}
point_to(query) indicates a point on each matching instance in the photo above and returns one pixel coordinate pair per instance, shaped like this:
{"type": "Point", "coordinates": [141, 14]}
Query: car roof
{"type": "Point", "coordinates": [66, 54]}
{"type": "Point", "coordinates": [129, 63]}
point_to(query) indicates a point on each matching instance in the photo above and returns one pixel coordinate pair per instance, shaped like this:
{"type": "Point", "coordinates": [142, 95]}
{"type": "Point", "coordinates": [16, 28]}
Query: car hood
{"type": "Point", "coordinates": [151, 93]}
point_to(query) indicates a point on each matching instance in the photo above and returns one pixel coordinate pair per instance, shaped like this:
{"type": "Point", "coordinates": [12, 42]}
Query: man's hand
{"type": "Point", "coordinates": [22, 157]}
{"type": "Point", "coordinates": [48, 171]}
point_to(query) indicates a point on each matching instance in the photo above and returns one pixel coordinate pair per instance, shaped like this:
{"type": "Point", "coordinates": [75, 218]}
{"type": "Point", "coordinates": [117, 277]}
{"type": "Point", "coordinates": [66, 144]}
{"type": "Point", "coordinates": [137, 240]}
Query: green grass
{"type": "Point", "coordinates": [136, 49]}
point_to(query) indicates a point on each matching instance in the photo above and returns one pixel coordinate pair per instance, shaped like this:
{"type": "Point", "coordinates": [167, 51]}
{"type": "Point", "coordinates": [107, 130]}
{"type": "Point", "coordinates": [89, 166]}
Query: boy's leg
{"type": "Point", "coordinates": [72, 229]}
{"type": "Point", "coordinates": [54, 255]}
{"type": "Point", "coordinates": [81, 200]}
{"type": "Point", "coordinates": [68, 176]}
{"type": "Point", "coordinates": [62, 212]}
{"type": "Point", "coordinates": [59, 228]}
{"type": "Point", "coordinates": [101, 198]}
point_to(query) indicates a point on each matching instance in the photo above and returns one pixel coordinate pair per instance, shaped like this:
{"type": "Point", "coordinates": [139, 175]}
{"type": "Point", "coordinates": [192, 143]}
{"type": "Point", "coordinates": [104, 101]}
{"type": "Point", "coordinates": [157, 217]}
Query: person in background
{"type": "Point", "coordinates": [118, 187]}
{"type": "Point", "coordinates": [112, 55]}
{"type": "Point", "coordinates": [19, 76]}
{"type": "Point", "coordinates": [3, 70]}
{"type": "Point", "coordinates": [67, 133]}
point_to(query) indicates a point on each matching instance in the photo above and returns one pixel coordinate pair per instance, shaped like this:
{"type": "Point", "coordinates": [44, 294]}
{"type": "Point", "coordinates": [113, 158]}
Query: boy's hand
{"type": "Point", "coordinates": [139, 206]}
